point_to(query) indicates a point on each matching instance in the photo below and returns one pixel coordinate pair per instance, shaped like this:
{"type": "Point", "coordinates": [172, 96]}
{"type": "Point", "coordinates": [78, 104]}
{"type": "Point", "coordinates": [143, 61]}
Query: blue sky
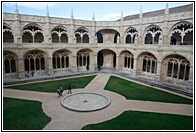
{"type": "Point", "coordinates": [103, 11]}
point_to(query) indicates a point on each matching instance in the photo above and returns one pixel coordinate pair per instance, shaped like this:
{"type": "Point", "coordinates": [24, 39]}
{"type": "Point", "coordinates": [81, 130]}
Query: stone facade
{"type": "Point", "coordinates": [156, 45]}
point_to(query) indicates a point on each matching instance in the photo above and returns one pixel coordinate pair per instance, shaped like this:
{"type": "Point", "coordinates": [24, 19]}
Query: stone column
{"type": "Point", "coordinates": [21, 70]}
{"type": "Point", "coordinates": [50, 66]}
{"type": "Point", "coordinates": [159, 75]}
{"type": "Point", "coordinates": [117, 63]}
{"type": "Point", "coordinates": [74, 63]}
{"type": "Point", "coordinates": [135, 67]}
{"type": "Point", "coordinates": [191, 74]}
{"type": "Point", "coordinates": [93, 62]}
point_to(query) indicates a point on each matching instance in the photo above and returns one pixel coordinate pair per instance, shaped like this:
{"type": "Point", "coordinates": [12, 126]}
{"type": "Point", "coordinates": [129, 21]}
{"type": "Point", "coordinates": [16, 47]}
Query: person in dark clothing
{"type": "Point", "coordinates": [61, 91]}
{"type": "Point", "coordinates": [58, 92]}
{"type": "Point", "coordinates": [69, 91]}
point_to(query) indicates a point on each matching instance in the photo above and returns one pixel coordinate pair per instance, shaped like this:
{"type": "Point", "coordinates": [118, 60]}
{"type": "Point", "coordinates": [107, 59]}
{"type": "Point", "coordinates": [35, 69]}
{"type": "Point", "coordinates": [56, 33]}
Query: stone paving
{"type": "Point", "coordinates": [65, 119]}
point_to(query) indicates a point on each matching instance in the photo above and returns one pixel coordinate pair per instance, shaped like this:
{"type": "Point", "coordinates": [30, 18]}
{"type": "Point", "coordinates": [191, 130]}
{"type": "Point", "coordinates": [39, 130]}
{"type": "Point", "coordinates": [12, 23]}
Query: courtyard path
{"type": "Point", "coordinates": [98, 83]}
{"type": "Point", "coordinates": [64, 119]}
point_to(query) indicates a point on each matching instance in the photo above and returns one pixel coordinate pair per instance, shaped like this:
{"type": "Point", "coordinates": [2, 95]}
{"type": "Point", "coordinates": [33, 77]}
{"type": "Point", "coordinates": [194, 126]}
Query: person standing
{"type": "Point", "coordinates": [69, 91]}
{"type": "Point", "coordinates": [58, 92]}
{"type": "Point", "coordinates": [61, 91]}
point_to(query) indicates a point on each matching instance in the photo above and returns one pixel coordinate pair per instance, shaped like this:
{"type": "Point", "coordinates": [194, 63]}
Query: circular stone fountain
{"type": "Point", "coordinates": [85, 101]}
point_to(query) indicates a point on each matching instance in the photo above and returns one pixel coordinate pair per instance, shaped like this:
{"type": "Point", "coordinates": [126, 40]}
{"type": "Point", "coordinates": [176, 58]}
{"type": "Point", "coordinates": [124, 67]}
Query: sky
{"type": "Point", "coordinates": [103, 11]}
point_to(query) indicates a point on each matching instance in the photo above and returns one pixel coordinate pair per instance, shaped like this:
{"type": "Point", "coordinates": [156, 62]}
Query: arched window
{"type": "Point", "coordinates": [149, 64]}
{"type": "Point", "coordinates": [32, 33]}
{"type": "Point", "coordinates": [61, 59]}
{"type": "Point", "coordinates": [82, 36]}
{"type": "Point", "coordinates": [130, 35]}
{"type": "Point", "coordinates": [182, 34]}
{"type": "Point", "coordinates": [152, 35]}
{"type": "Point", "coordinates": [127, 59]}
{"type": "Point", "coordinates": [59, 35]}
{"type": "Point", "coordinates": [178, 68]}
{"type": "Point", "coordinates": [34, 61]}
{"type": "Point", "coordinates": [83, 58]}
{"type": "Point", "coordinates": [9, 61]}
{"type": "Point", "coordinates": [7, 34]}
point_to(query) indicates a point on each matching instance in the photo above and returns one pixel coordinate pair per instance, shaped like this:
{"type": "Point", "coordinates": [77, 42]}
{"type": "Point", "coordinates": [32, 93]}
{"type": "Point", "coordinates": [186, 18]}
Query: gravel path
{"type": "Point", "coordinates": [65, 119]}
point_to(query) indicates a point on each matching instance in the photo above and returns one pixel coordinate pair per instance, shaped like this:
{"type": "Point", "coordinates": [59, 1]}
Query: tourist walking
{"type": "Point", "coordinates": [69, 91]}
{"type": "Point", "coordinates": [61, 91]}
{"type": "Point", "coordinates": [58, 92]}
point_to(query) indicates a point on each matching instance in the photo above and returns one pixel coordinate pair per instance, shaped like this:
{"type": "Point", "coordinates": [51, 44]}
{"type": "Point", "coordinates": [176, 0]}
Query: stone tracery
{"type": "Point", "coordinates": [32, 33]}
{"type": "Point", "coordinates": [82, 35]}
{"type": "Point", "coordinates": [152, 35]}
{"type": "Point", "coordinates": [59, 35]}
{"type": "Point", "coordinates": [9, 60]}
{"type": "Point", "coordinates": [182, 33]}
{"type": "Point", "coordinates": [177, 68]}
{"type": "Point", "coordinates": [7, 34]}
{"type": "Point", "coordinates": [34, 61]}
{"type": "Point", "coordinates": [61, 59]}
{"type": "Point", "coordinates": [130, 35]}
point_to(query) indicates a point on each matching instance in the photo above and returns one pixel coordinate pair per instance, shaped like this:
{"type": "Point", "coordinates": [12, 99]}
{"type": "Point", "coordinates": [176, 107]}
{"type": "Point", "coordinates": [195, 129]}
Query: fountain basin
{"type": "Point", "coordinates": [85, 101]}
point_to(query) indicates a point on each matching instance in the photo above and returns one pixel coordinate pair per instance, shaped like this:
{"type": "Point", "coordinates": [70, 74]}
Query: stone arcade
{"type": "Point", "coordinates": [156, 45]}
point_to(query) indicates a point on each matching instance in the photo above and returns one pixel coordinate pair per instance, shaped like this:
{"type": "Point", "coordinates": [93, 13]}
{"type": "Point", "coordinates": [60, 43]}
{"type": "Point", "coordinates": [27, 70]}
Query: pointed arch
{"type": "Point", "coordinates": [82, 35]}
{"type": "Point", "coordinates": [32, 33]}
{"type": "Point", "coordinates": [152, 34]}
{"type": "Point", "coordinates": [130, 34]}
{"type": "Point", "coordinates": [177, 67]}
{"type": "Point", "coordinates": [181, 33]}
{"type": "Point", "coordinates": [10, 62]}
{"type": "Point", "coordinates": [8, 36]}
{"type": "Point", "coordinates": [59, 34]}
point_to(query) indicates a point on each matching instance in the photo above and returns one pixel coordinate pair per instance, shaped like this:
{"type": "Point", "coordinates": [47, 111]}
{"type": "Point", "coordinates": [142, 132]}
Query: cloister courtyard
{"type": "Point", "coordinates": [133, 73]}
{"type": "Point", "coordinates": [34, 105]}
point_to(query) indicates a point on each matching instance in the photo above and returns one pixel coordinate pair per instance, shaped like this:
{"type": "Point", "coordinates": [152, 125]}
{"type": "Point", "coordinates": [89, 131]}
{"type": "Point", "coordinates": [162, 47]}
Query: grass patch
{"type": "Point", "coordinates": [51, 86]}
{"type": "Point", "coordinates": [23, 115]}
{"type": "Point", "coordinates": [134, 91]}
{"type": "Point", "coordinates": [134, 120]}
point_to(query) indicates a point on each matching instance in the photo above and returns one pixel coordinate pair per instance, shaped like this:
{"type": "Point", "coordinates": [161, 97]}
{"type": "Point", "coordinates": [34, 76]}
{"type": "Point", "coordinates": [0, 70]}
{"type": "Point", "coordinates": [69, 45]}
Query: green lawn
{"type": "Point", "coordinates": [134, 91]}
{"type": "Point", "coordinates": [23, 115]}
{"type": "Point", "coordinates": [134, 120]}
{"type": "Point", "coordinates": [51, 86]}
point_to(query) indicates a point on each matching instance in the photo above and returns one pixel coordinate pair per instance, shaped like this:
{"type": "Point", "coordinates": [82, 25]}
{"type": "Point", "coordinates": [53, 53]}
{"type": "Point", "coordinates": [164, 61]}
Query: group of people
{"type": "Point", "coordinates": [60, 90]}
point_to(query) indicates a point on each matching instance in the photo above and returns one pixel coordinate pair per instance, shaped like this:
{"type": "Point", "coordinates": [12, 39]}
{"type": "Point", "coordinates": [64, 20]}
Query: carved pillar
{"type": "Point", "coordinates": [74, 63]}
{"type": "Point", "coordinates": [135, 69]}
{"type": "Point", "coordinates": [21, 71]}
{"type": "Point", "coordinates": [159, 75]}
{"type": "Point", "coordinates": [117, 63]}
{"type": "Point", "coordinates": [191, 74]}
{"type": "Point", "coordinates": [50, 66]}
{"type": "Point", "coordinates": [93, 62]}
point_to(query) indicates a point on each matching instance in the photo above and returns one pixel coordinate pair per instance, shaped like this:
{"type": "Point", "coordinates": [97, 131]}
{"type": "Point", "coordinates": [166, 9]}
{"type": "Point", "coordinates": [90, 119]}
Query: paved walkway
{"type": "Point", "coordinates": [64, 119]}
